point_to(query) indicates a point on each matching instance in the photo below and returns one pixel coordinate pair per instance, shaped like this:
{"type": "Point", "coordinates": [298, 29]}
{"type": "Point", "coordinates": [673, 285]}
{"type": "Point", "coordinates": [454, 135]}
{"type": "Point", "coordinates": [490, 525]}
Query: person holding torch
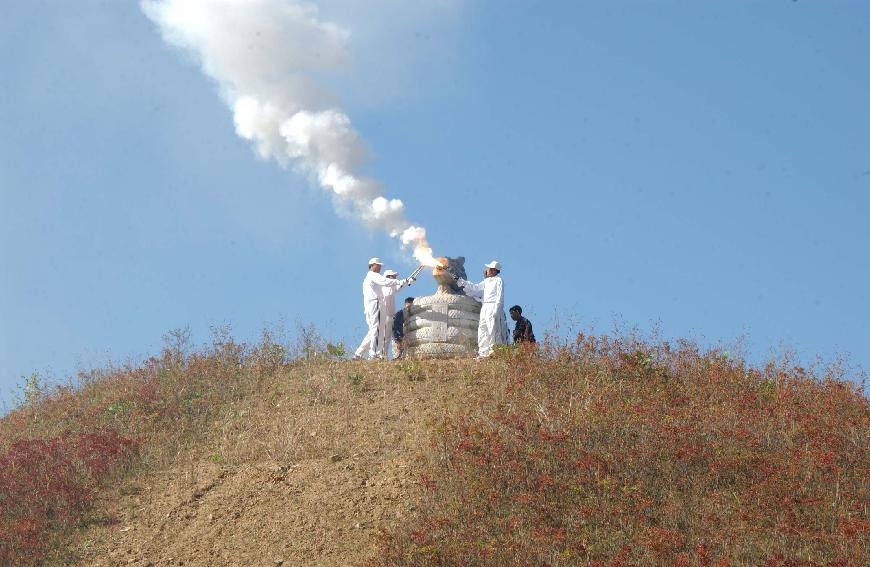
{"type": "Point", "coordinates": [375, 311]}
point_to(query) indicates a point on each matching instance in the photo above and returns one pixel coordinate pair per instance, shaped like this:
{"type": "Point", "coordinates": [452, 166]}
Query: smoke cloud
{"type": "Point", "coordinates": [264, 55]}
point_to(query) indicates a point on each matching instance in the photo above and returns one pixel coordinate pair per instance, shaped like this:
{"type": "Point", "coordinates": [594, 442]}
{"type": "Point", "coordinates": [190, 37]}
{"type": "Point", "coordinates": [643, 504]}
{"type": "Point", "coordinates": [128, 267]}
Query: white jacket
{"type": "Point", "coordinates": [490, 290]}
{"type": "Point", "coordinates": [373, 288]}
{"type": "Point", "coordinates": [390, 299]}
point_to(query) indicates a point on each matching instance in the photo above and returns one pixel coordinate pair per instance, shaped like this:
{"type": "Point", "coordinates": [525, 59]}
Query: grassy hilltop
{"type": "Point", "coordinates": [605, 451]}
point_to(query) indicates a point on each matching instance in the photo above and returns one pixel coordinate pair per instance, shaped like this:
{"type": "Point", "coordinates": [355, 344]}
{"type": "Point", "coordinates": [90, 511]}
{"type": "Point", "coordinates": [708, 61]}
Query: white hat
{"type": "Point", "coordinates": [391, 273]}
{"type": "Point", "coordinates": [493, 264]}
{"type": "Point", "coordinates": [376, 260]}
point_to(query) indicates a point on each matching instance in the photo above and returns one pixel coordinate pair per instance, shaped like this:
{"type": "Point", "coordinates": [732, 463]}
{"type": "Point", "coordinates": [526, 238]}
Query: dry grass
{"type": "Point", "coordinates": [62, 445]}
{"type": "Point", "coordinates": [309, 468]}
{"type": "Point", "coordinates": [602, 452]}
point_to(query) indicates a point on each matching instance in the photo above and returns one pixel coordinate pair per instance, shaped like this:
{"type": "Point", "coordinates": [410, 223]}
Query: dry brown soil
{"type": "Point", "coordinates": [306, 472]}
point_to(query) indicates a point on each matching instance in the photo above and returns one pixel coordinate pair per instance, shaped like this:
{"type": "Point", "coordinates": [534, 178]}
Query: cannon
{"type": "Point", "coordinates": [443, 325]}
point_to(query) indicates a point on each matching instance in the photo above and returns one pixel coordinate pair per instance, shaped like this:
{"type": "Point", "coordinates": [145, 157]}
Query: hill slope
{"type": "Point", "coordinates": [602, 452]}
{"type": "Point", "coordinates": [306, 474]}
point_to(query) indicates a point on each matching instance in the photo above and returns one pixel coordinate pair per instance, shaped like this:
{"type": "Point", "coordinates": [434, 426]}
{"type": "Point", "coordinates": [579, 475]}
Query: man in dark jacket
{"type": "Point", "coordinates": [399, 329]}
{"type": "Point", "coordinates": [523, 329]}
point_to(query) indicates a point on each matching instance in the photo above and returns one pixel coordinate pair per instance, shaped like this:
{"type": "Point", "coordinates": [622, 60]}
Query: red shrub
{"type": "Point", "coordinates": [48, 485]}
{"type": "Point", "coordinates": [618, 453]}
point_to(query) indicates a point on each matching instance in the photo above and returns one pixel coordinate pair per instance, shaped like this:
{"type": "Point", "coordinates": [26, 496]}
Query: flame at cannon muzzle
{"type": "Point", "coordinates": [446, 272]}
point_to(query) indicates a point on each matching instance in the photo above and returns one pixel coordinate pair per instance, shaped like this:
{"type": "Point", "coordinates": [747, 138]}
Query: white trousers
{"type": "Point", "coordinates": [372, 344]}
{"type": "Point", "coordinates": [386, 333]}
{"type": "Point", "coordinates": [492, 329]}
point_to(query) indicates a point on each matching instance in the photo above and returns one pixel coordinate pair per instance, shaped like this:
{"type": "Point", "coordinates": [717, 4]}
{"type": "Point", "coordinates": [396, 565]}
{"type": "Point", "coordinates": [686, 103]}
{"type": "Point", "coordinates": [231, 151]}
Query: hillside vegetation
{"type": "Point", "coordinates": [605, 451]}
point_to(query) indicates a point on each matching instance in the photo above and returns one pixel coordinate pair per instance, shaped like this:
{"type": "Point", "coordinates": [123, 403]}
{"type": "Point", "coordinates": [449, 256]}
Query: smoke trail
{"type": "Point", "coordinates": [263, 55]}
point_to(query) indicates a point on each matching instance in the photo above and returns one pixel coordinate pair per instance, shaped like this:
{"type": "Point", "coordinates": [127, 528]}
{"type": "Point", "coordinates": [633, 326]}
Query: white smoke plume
{"type": "Point", "coordinates": [264, 56]}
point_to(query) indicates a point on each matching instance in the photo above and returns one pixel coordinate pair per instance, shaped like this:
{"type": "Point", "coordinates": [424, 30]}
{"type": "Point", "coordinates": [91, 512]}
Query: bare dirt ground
{"type": "Point", "coordinates": [307, 473]}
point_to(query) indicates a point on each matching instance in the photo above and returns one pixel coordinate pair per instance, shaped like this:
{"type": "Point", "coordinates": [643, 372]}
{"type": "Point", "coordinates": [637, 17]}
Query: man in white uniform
{"type": "Point", "coordinates": [387, 310]}
{"type": "Point", "coordinates": [373, 304]}
{"type": "Point", "coordinates": [492, 329]}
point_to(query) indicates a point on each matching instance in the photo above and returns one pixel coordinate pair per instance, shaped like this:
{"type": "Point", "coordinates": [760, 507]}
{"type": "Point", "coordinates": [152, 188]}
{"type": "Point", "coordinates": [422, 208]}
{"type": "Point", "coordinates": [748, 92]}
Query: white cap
{"type": "Point", "coordinates": [376, 260]}
{"type": "Point", "coordinates": [391, 273]}
{"type": "Point", "coordinates": [493, 264]}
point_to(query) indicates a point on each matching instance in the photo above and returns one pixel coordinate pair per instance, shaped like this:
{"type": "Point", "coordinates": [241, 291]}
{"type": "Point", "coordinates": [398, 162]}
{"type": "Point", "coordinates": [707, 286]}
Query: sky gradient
{"type": "Point", "coordinates": [703, 167]}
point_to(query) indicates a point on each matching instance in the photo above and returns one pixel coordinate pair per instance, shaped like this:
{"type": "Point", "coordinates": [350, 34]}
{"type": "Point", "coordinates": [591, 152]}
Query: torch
{"type": "Point", "coordinates": [416, 273]}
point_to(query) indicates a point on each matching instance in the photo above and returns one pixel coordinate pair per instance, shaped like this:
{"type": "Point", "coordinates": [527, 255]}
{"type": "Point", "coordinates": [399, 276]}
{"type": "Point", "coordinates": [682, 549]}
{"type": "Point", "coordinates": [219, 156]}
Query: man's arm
{"type": "Point", "coordinates": [379, 279]}
{"type": "Point", "coordinates": [474, 290]}
{"type": "Point", "coordinates": [387, 282]}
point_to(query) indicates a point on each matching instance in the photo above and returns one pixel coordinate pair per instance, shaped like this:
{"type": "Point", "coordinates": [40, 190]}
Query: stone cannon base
{"type": "Point", "coordinates": [442, 326]}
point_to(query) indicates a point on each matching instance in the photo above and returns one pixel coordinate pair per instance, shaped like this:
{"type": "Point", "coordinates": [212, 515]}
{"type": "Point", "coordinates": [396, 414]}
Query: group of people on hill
{"type": "Point", "coordinates": [382, 318]}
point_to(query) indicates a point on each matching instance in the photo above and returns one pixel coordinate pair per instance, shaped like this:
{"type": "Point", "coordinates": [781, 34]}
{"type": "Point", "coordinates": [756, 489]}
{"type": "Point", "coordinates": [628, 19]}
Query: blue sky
{"type": "Point", "coordinates": [702, 166]}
